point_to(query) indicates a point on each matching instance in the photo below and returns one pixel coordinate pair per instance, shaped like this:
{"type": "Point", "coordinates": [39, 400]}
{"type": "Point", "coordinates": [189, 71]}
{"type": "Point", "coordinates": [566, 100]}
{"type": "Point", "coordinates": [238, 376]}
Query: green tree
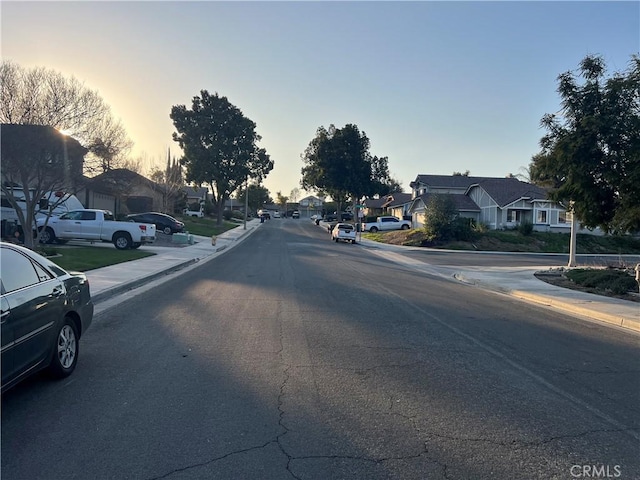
{"type": "Point", "coordinates": [220, 146]}
{"type": "Point", "coordinates": [590, 155]}
{"type": "Point", "coordinates": [258, 196]}
{"type": "Point", "coordinates": [440, 216]}
{"type": "Point", "coordinates": [337, 163]}
{"type": "Point", "coordinates": [282, 200]}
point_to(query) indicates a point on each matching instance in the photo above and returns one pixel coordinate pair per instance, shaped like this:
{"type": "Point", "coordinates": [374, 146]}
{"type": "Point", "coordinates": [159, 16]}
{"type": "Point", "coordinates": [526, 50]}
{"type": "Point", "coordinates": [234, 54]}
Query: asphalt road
{"type": "Point", "coordinates": [292, 357]}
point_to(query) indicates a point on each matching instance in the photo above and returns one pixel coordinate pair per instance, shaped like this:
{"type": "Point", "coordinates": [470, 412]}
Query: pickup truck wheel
{"type": "Point", "coordinates": [404, 227]}
{"type": "Point", "coordinates": [373, 229]}
{"type": "Point", "coordinates": [47, 235]}
{"type": "Point", "coordinates": [122, 241]}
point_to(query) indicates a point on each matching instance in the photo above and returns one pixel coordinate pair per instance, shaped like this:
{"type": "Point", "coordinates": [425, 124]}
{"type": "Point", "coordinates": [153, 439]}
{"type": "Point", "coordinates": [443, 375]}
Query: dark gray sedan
{"type": "Point", "coordinates": [45, 311]}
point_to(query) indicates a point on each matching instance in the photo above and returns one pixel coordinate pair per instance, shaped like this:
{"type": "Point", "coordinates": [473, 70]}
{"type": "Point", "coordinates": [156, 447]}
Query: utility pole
{"type": "Point", "coordinates": [572, 243]}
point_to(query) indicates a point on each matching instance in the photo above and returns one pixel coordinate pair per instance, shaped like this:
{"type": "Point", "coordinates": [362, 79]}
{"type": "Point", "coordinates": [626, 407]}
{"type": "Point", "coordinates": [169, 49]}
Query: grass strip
{"type": "Point", "coordinates": [81, 259]}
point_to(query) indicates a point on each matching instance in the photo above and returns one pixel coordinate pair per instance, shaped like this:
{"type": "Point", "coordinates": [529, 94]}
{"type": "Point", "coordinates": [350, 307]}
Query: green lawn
{"type": "Point", "coordinates": [514, 241]}
{"type": "Point", "coordinates": [88, 258]}
{"type": "Point", "coordinates": [206, 226]}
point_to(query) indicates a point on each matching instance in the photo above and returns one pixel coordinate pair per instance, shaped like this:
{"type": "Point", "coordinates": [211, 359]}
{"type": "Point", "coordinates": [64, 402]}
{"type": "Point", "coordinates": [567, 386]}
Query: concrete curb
{"type": "Point", "coordinates": [126, 287]}
{"type": "Point", "coordinates": [203, 257]}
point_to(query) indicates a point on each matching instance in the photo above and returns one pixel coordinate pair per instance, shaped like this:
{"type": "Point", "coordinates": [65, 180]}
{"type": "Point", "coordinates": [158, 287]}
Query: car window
{"type": "Point", "coordinates": [17, 271]}
{"type": "Point", "coordinates": [88, 216]}
{"type": "Point", "coordinates": [74, 215]}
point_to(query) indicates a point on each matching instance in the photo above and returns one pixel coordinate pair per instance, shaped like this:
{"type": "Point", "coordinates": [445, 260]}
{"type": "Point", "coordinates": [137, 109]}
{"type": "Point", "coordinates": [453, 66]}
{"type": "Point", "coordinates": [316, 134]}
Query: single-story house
{"type": "Point", "coordinates": [497, 202]}
{"type": "Point", "coordinates": [398, 204]}
{"type": "Point", "coordinates": [123, 192]}
{"type": "Point", "coordinates": [373, 207]}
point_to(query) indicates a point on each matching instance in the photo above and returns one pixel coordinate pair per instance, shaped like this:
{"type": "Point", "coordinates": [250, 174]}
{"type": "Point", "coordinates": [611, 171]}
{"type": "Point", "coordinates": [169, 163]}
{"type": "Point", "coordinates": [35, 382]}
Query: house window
{"type": "Point", "coordinates": [541, 216]}
{"type": "Point", "coordinates": [514, 216]}
{"type": "Point", "coordinates": [562, 216]}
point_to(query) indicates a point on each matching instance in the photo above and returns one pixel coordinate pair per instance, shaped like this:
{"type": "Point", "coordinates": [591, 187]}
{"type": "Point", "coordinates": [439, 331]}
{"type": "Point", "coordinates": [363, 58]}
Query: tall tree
{"type": "Point", "coordinates": [590, 156]}
{"type": "Point", "coordinates": [338, 163]}
{"type": "Point", "coordinates": [40, 96]}
{"type": "Point", "coordinates": [36, 162]}
{"type": "Point", "coordinates": [282, 200]}
{"type": "Point", "coordinates": [220, 146]}
{"type": "Point", "coordinates": [171, 182]}
{"type": "Point", "coordinates": [258, 196]}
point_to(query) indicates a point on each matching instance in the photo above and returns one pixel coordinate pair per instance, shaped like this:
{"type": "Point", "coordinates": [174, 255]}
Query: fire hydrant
{"type": "Point", "coordinates": [213, 239]}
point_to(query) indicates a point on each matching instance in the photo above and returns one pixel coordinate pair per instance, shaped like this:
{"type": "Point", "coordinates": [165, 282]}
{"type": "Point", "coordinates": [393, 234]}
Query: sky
{"type": "Point", "coordinates": [437, 87]}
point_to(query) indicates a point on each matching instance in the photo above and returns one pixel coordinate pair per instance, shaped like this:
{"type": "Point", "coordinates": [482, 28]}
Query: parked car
{"type": "Point", "coordinates": [333, 217]}
{"type": "Point", "coordinates": [266, 214]}
{"type": "Point", "coordinates": [295, 214]}
{"type": "Point", "coordinates": [95, 225]}
{"type": "Point", "coordinates": [163, 222]}
{"type": "Point", "coordinates": [45, 312]}
{"type": "Point", "coordinates": [343, 231]}
{"type": "Point", "coordinates": [276, 214]}
{"type": "Point", "coordinates": [386, 223]}
{"type": "Point", "coordinates": [198, 213]}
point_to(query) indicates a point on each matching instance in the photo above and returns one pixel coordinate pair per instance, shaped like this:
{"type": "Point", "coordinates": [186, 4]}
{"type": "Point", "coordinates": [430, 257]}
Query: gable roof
{"type": "Point", "coordinates": [462, 202]}
{"type": "Point", "coordinates": [447, 181]}
{"type": "Point", "coordinates": [508, 190]}
{"type": "Point", "coordinates": [374, 202]}
{"type": "Point", "coordinates": [120, 179]}
{"type": "Point", "coordinates": [200, 192]}
{"type": "Point", "coordinates": [397, 199]}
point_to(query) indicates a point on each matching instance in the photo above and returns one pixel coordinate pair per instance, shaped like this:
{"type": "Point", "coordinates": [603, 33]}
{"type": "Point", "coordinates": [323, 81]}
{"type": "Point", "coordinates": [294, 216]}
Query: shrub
{"type": "Point", "coordinates": [440, 215]}
{"type": "Point", "coordinates": [227, 215]}
{"type": "Point", "coordinates": [525, 228]}
{"type": "Point", "coordinates": [615, 281]}
{"type": "Point", "coordinates": [461, 229]}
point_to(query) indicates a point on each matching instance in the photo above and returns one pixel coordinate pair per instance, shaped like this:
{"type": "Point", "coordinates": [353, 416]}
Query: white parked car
{"type": "Point", "coordinates": [276, 214]}
{"type": "Point", "coordinates": [386, 223]}
{"type": "Point", "coordinates": [343, 231]}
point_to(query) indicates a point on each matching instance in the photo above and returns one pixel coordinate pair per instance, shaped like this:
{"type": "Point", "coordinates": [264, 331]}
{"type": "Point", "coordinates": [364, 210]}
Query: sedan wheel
{"type": "Point", "coordinates": [166, 230]}
{"type": "Point", "coordinates": [65, 355]}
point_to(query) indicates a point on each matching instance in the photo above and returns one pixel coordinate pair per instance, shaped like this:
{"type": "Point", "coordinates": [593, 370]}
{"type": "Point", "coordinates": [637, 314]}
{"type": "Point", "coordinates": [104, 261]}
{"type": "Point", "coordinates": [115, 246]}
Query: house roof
{"type": "Point", "coordinates": [503, 190]}
{"type": "Point", "coordinates": [447, 181]}
{"type": "Point", "coordinates": [462, 202]}
{"type": "Point", "coordinates": [200, 192]}
{"type": "Point", "coordinates": [375, 202]}
{"type": "Point", "coordinates": [397, 199]}
{"type": "Point", "coordinates": [508, 190]}
{"type": "Point", "coordinates": [120, 179]}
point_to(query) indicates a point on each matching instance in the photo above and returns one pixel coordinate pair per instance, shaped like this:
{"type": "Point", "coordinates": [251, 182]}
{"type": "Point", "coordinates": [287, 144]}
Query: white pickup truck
{"type": "Point", "coordinates": [386, 223]}
{"type": "Point", "coordinates": [96, 225]}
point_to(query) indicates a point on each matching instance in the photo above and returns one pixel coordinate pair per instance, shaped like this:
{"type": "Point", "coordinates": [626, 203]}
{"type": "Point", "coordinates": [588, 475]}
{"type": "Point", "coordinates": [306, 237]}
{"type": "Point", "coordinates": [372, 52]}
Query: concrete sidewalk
{"type": "Point", "coordinates": [113, 280]}
{"type": "Point", "coordinates": [517, 282]}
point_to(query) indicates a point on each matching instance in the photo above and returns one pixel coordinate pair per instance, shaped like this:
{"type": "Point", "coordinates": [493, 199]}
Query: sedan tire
{"type": "Point", "coordinates": [66, 349]}
{"type": "Point", "coordinates": [166, 230]}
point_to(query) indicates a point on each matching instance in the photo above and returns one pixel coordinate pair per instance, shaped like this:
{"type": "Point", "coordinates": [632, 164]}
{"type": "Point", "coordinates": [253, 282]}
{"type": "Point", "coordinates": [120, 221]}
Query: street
{"type": "Point", "coordinates": [292, 357]}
